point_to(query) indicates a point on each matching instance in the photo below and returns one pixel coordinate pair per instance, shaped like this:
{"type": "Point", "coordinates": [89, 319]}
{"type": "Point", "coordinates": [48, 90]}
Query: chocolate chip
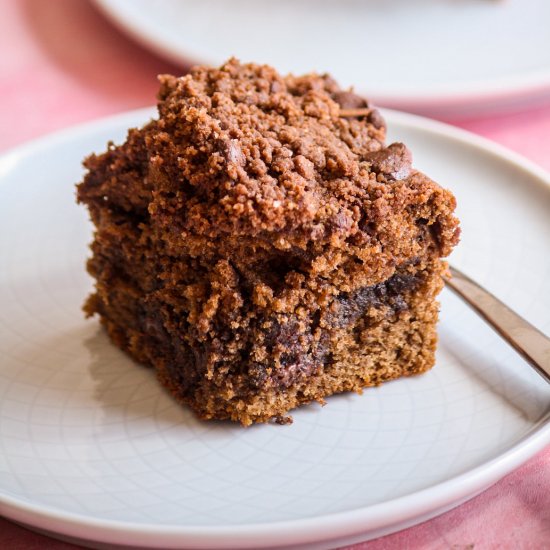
{"type": "Point", "coordinates": [349, 100]}
{"type": "Point", "coordinates": [232, 152]}
{"type": "Point", "coordinates": [376, 119]}
{"type": "Point", "coordinates": [394, 162]}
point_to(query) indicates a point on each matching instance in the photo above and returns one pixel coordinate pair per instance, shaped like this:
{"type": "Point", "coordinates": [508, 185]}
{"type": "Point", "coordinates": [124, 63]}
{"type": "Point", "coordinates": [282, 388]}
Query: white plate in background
{"type": "Point", "coordinates": [93, 450]}
{"type": "Point", "coordinates": [439, 57]}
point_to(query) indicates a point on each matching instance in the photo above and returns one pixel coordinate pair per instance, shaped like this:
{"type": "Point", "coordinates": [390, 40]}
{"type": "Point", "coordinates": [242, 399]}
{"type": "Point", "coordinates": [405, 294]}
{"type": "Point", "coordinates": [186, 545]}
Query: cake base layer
{"type": "Point", "coordinates": [362, 339]}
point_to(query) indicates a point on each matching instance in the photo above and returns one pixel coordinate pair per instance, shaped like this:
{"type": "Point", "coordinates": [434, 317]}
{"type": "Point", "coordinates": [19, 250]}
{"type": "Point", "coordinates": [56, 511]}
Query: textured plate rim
{"type": "Point", "coordinates": [373, 520]}
{"type": "Point", "coordinates": [534, 83]}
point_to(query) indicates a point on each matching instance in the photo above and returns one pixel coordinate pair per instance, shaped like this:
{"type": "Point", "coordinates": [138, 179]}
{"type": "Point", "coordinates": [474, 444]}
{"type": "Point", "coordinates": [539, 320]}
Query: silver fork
{"type": "Point", "coordinates": [527, 340]}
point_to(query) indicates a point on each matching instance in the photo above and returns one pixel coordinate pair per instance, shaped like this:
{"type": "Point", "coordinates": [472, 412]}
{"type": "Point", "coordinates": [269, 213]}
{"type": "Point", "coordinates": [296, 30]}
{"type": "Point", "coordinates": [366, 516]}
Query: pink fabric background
{"type": "Point", "coordinates": [63, 64]}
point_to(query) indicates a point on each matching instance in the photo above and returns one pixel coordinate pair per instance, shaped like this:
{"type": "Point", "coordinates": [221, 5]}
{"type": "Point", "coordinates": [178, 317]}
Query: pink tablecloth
{"type": "Point", "coordinates": [62, 64]}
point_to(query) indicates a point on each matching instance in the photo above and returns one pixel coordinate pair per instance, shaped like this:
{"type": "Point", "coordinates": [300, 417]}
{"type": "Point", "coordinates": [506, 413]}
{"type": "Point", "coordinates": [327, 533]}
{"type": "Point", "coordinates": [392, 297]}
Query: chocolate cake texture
{"type": "Point", "coordinates": [262, 249]}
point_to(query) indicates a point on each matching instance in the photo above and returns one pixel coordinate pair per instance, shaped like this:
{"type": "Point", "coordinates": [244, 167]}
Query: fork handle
{"type": "Point", "coordinates": [527, 340]}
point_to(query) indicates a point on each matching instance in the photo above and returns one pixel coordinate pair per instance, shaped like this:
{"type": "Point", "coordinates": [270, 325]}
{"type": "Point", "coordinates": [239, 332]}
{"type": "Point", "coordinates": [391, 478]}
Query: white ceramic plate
{"type": "Point", "coordinates": [91, 448]}
{"type": "Point", "coordinates": [446, 57]}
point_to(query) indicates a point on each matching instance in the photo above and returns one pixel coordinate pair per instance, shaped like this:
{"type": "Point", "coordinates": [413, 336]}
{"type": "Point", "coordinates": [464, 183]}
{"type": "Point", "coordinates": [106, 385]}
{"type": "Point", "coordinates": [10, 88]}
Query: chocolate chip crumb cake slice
{"type": "Point", "coordinates": [261, 246]}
